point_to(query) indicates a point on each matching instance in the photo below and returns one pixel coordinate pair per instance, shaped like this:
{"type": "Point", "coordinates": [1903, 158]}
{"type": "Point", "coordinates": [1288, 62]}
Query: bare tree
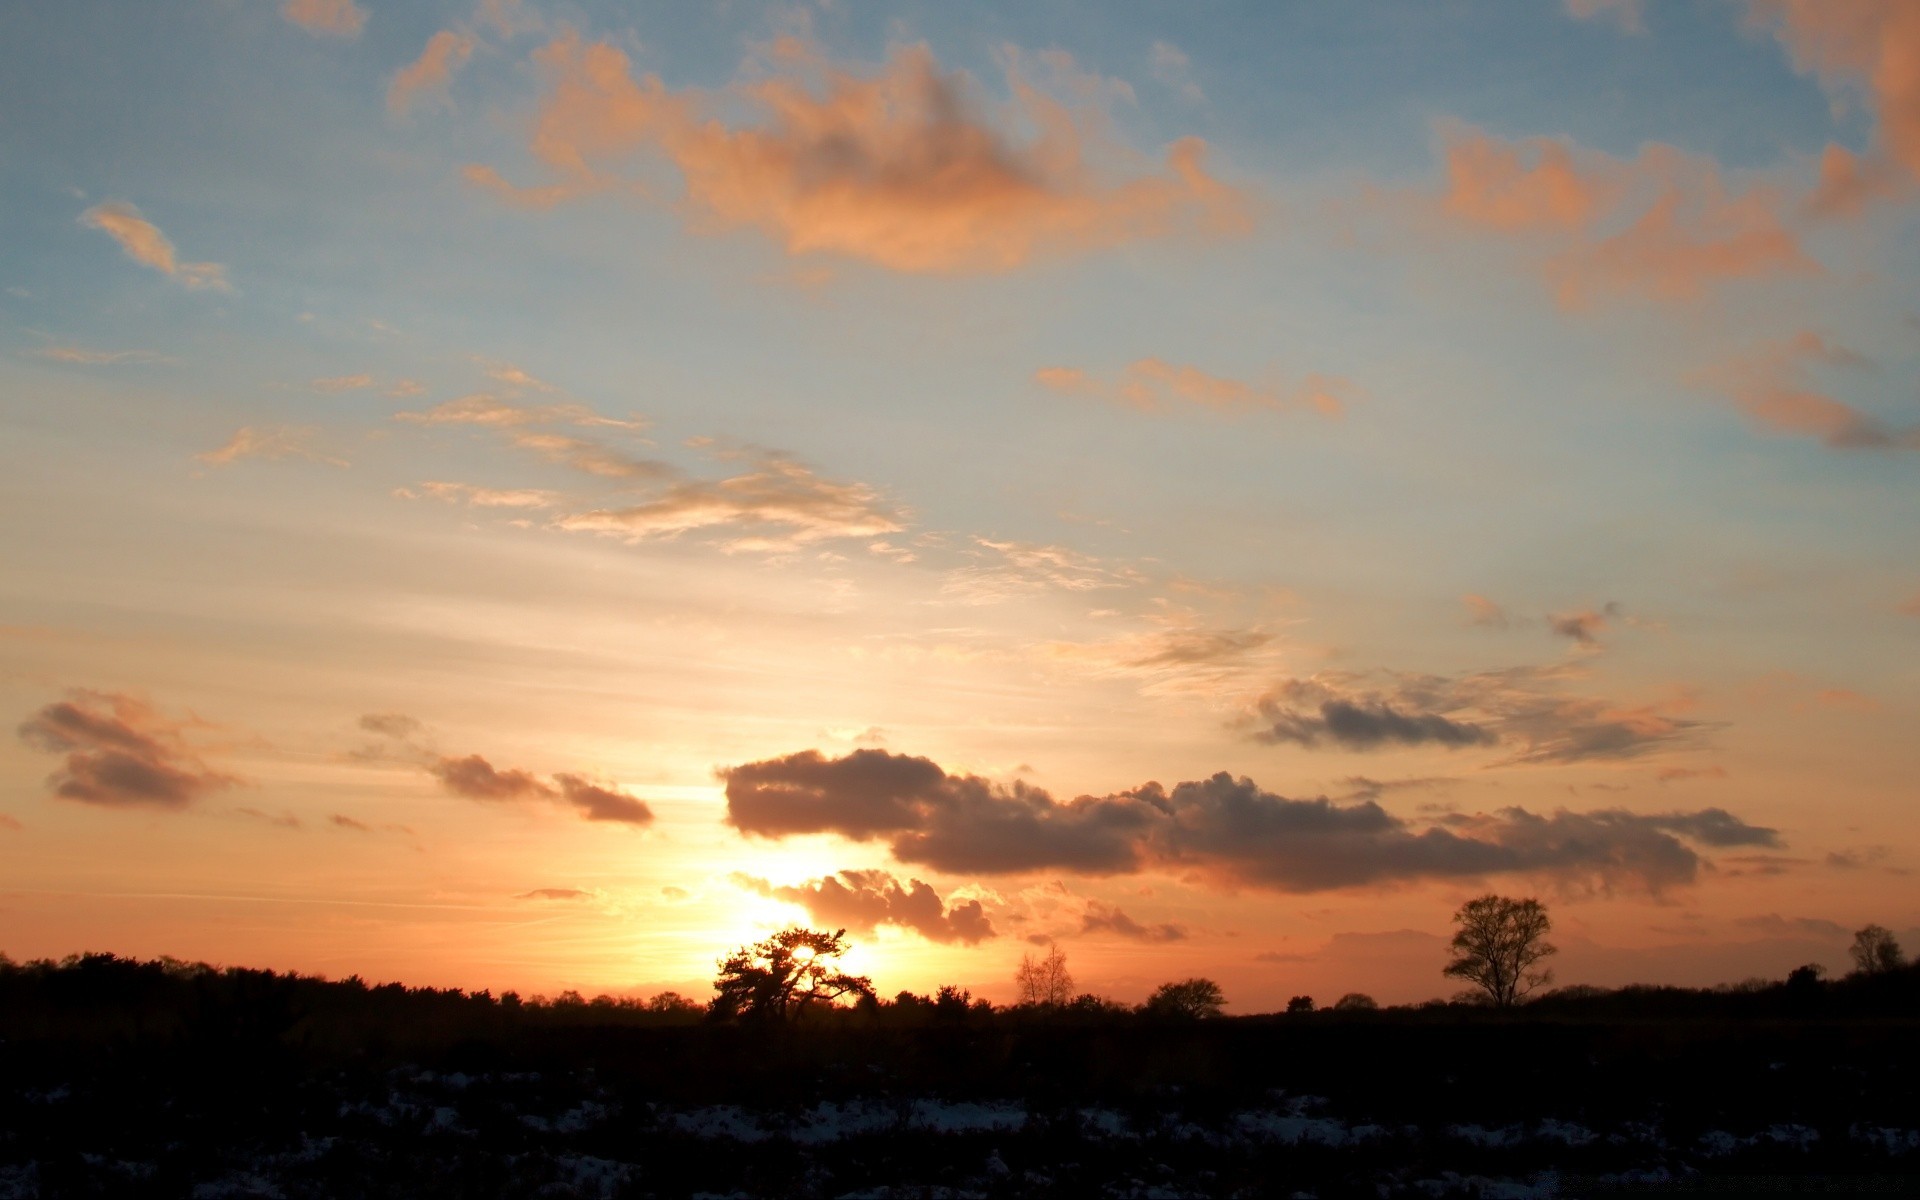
{"type": "Point", "coordinates": [1189, 999]}
{"type": "Point", "coordinates": [1044, 981]}
{"type": "Point", "coordinates": [1498, 942]}
{"type": "Point", "coordinates": [784, 976]}
{"type": "Point", "coordinates": [1875, 952]}
{"type": "Point", "coordinates": [1355, 1002]}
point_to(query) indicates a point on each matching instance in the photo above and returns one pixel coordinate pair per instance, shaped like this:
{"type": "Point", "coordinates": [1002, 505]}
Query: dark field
{"type": "Point", "coordinates": [144, 1079]}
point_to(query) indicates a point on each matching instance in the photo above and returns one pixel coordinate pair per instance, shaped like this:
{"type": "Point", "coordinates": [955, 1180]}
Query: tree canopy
{"type": "Point", "coordinates": [786, 975]}
{"type": "Point", "coordinates": [1189, 999]}
{"type": "Point", "coordinates": [1499, 941]}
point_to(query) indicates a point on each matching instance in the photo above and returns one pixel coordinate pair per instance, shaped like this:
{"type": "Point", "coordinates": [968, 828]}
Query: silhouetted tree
{"type": "Point", "coordinates": [1875, 952]}
{"type": "Point", "coordinates": [669, 1003]}
{"type": "Point", "coordinates": [789, 973]}
{"type": "Point", "coordinates": [1498, 942]}
{"type": "Point", "coordinates": [1044, 981]}
{"type": "Point", "coordinates": [1803, 977]}
{"type": "Point", "coordinates": [1300, 1004]}
{"type": "Point", "coordinates": [1190, 999]}
{"type": "Point", "coordinates": [1355, 1002]}
{"type": "Point", "coordinates": [952, 1003]}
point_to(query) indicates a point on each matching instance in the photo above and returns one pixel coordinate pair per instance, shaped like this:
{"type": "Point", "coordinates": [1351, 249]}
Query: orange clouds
{"type": "Point", "coordinates": [1772, 387]}
{"type": "Point", "coordinates": [1850, 183]}
{"type": "Point", "coordinates": [274, 444]}
{"type": "Point", "coordinates": [1872, 44]}
{"type": "Point", "coordinates": [143, 242]}
{"type": "Point", "coordinates": [1628, 14]}
{"type": "Point", "coordinates": [326, 18]}
{"type": "Point", "coordinates": [1662, 226]}
{"type": "Point", "coordinates": [779, 506]}
{"type": "Point", "coordinates": [429, 75]}
{"type": "Point", "coordinates": [896, 168]}
{"type": "Point", "coordinates": [1155, 385]}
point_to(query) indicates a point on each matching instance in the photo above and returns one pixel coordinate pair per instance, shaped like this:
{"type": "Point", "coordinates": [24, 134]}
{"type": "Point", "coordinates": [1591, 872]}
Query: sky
{"type": "Point", "coordinates": [535, 495]}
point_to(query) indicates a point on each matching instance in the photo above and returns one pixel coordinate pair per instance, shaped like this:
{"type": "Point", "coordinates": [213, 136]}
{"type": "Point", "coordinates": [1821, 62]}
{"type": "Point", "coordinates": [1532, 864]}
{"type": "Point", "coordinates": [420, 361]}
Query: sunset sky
{"type": "Point", "coordinates": [536, 495]}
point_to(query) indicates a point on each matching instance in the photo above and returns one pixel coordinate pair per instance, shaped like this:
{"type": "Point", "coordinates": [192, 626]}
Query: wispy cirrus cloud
{"type": "Point", "coordinates": [1006, 570]}
{"type": "Point", "coordinates": [273, 443]}
{"type": "Point", "coordinates": [495, 411]}
{"type": "Point", "coordinates": [342, 383]}
{"type": "Point", "coordinates": [861, 901]}
{"type": "Point", "coordinates": [87, 357]}
{"type": "Point", "coordinates": [897, 167]}
{"type": "Point", "coordinates": [779, 505]}
{"type": "Point", "coordinates": [1222, 830]}
{"type": "Point", "coordinates": [143, 242]}
{"type": "Point", "coordinates": [120, 753]}
{"type": "Point", "coordinates": [1155, 385]}
{"type": "Point", "coordinates": [481, 497]}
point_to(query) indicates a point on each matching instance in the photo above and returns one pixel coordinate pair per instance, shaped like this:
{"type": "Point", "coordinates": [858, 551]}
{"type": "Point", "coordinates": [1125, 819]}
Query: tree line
{"type": "Point", "coordinates": [1499, 946]}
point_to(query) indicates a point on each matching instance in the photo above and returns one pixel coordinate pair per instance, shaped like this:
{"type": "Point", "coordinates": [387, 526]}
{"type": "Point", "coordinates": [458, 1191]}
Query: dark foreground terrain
{"type": "Point", "coordinates": [148, 1079]}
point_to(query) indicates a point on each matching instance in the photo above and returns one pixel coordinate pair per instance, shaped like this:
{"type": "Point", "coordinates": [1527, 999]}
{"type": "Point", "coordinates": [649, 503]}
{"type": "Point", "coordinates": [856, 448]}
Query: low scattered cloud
{"type": "Point", "coordinates": [597, 803]}
{"type": "Point", "coordinates": [1773, 384]}
{"type": "Point", "coordinates": [143, 242]}
{"type": "Point", "coordinates": [861, 900]}
{"type": "Point", "coordinates": [1103, 918]}
{"type": "Point", "coordinates": [477, 779]}
{"type": "Point", "coordinates": [10, 823]}
{"type": "Point", "coordinates": [555, 893]}
{"type": "Point", "coordinates": [285, 820]}
{"type": "Point", "coordinates": [1309, 713]}
{"type": "Point", "coordinates": [1485, 613]}
{"type": "Point", "coordinates": [1583, 626]}
{"type": "Point", "coordinates": [780, 505]}
{"type": "Point", "coordinates": [1223, 830]}
{"type": "Point", "coordinates": [1684, 774]}
{"type": "Point", "coordinates": [273, 443]}
{"type": "Point", "coordinates": [1155, 385]}
{"type": "Point", "coordinates": [1524, 708]}
{"type": "Point", "coordinates": [901, 167]}
{"type": "Point", "coordinates": [473, 777]}
{"type": "Point", "coordinates": [326, 18]}
{"type": "Point", "coordinates": [390, 725]}
{"type": "Point", "coordinates": [120, 753]}
{"type": "Point", "coordinates": [427, 78]}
